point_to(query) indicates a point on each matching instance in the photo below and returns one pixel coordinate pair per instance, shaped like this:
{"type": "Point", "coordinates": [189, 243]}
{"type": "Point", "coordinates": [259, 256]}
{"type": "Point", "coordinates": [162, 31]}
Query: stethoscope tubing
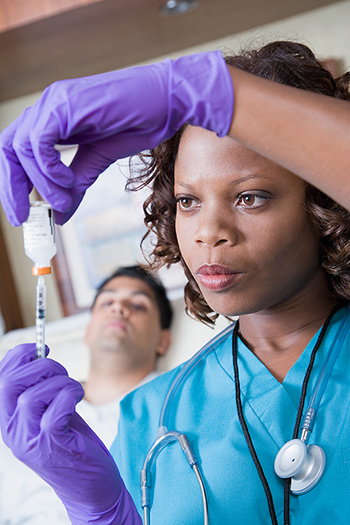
{"type": "Point", "coordinates": [323, 377]}
{"type": "Point", "coordinates": [187, 369]}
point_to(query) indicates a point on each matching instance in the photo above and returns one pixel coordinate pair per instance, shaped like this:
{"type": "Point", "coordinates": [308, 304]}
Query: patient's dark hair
{"type": "Point", "coordinates": [288, 63]}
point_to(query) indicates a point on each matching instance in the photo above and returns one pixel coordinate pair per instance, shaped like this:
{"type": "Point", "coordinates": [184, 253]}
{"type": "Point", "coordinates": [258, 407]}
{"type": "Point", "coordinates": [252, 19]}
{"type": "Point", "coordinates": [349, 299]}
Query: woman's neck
{"type": "Point", "coordinates": [278, 336]}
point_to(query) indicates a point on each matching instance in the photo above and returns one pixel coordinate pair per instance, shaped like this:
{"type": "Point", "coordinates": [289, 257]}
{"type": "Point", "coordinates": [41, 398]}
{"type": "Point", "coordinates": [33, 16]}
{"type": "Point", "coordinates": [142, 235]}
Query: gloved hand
{"type": "Point", "coordinates": [39, 423]}
{"type": "Point", "coordinates": [111, 116]}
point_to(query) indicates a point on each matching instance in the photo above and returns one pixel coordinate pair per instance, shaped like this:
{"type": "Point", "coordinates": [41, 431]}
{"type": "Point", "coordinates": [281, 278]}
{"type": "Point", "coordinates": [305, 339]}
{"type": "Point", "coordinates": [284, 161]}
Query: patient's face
{"type": "Point", "coordinates": [125, 321]}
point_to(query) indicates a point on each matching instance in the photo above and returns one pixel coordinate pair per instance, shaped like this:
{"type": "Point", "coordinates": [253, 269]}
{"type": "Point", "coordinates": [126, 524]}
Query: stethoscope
{"type": "Point", "coordinates": [299, 464]}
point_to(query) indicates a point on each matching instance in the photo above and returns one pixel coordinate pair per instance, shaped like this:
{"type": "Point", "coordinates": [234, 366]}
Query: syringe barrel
{"type": "Point", "coordinates": [40, 317]}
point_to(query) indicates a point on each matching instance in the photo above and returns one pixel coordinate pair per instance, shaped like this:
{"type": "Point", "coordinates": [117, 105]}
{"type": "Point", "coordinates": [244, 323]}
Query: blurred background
{"type": "Point", "coordinates": [46, 40]}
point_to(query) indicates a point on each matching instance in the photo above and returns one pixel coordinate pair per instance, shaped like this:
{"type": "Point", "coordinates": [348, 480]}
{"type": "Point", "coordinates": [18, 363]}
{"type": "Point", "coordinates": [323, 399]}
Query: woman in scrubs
{"type": "Point", "coordinates": [256, 241]}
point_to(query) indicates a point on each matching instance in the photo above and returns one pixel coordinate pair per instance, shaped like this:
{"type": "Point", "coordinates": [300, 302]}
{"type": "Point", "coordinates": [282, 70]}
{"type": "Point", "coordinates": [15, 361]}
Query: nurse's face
{"type": "Point", "coordinates": [242, 227]}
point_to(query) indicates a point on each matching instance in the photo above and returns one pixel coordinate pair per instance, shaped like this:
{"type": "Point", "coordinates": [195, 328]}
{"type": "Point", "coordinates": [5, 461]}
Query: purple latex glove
{"type": "Point", "coordinates": [111, 116]}
{"type": "Point", "coordinates": [39, 423]}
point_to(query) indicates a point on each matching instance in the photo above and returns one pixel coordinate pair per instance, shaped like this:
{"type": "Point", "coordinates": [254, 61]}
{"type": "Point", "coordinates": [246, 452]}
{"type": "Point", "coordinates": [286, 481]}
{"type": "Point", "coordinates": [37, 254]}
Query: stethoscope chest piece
{"type": "Point", "coordinates": [304, 464]}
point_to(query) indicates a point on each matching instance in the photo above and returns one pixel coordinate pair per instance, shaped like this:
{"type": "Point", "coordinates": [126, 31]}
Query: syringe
{"type": "Point", "coordinates": [40, 246]}
{"type": "Point", "coordinates": [40, 317]}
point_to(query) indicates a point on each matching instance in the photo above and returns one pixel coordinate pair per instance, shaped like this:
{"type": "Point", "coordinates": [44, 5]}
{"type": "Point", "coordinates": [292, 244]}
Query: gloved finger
{"type": "Point", "coordinates": [89, 162]}
{"type": "Point", "coordinates": [61, 407]}
{"type": "Point", "coordinates": [30, 424]}
{"type": "Point", "coordinates": [13, 177]}
{"type": "Point", "coordinates": [29, 374]}
{"type": "Point", "coordinates": [63, 217]}
{"type": "Point", "coordinates": [52, 192]}
{"type": "Point", "coordinates": [19, 355]}
{"type": "Point", "coordinates": [18, 373]}
{"type": "Point", "coordinates": [38, 130]}
{"type": "Point", "coordinates": [92, 159]}
{"type": "Point", "coordinates": [78, 424]}
{"type": "Point", "coordinates": [53, 183]}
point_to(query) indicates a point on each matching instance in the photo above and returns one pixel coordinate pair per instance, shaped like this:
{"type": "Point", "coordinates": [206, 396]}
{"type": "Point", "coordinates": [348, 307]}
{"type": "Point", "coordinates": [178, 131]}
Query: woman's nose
{"type": "Point", "coordinates": [214, 229]}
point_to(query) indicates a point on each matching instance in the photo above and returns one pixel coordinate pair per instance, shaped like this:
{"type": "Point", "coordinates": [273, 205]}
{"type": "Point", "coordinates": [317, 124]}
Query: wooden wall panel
{"type": "Point", "coordinates": [97, 36]}
{"type": "Point", "coordinates": [9, 305]}
{"type": "Point", "coordinates": [15, 13]}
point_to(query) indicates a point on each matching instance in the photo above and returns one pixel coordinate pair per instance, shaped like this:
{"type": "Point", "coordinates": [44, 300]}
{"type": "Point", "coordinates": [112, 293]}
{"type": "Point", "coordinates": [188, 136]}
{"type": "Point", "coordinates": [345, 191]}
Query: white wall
{"type": "Point", "coordinates": [327, 32]}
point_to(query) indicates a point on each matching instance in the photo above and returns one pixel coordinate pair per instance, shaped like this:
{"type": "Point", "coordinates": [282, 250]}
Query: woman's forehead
{"type": "Point", "coordinates": [203, 155]}
{"type": "Point", "coordinates": [204, 146]}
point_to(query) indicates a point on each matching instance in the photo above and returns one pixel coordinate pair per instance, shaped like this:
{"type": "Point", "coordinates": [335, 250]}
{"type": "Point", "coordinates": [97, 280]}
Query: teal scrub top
{"type": "Point", "coordinates": [205, 410]}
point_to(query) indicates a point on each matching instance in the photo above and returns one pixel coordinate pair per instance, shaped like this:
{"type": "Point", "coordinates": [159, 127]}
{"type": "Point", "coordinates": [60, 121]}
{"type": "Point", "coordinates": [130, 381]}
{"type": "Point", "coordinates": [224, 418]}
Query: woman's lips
{"type": "Point", "coordinates": [216, 277]}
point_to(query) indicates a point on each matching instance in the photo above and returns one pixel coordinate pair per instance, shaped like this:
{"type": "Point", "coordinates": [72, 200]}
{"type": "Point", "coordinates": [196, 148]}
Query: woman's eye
{"type": "Point", "coordinates": [252, 200]}
{"type": "Point", "coordinates": [186, 203]}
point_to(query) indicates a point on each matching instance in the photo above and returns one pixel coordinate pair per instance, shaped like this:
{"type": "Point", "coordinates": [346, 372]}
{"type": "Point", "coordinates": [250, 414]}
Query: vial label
{"type": "Point", "coordinates": [39, 228]}
{"type": "Point", "coordinates": [39, 235]}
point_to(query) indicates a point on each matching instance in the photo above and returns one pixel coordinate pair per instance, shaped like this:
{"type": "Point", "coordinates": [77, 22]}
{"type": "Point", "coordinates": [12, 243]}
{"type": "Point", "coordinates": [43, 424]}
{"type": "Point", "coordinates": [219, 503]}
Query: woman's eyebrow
{"type": "Point", "coordinates": [238, 180]}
